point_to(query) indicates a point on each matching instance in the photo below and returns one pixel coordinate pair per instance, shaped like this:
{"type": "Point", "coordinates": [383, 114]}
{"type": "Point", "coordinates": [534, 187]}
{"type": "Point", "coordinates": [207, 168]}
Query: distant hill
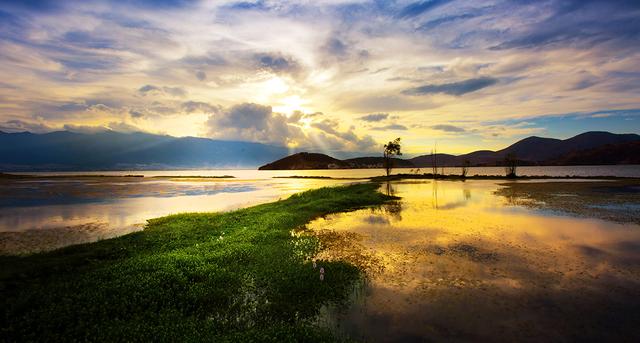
{"type": "Point", "coordinates": [109, 150]}
{"type": "Point", "coordinates": [621, 153]}
{"type": "Point", "coordinates": [583, 149]}
{"type": "Point", "coordinates": [538, 150]}
{"type": "Point", "coordinates": [541, 149]}
{"type": "Point", "coordinates": [306, 160]}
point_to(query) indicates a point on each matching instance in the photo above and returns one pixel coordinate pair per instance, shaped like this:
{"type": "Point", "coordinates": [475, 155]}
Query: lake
{"type": "Point", "coordinates": [454, 261]}
{"type": "Point", "coordinates": [48, 212]}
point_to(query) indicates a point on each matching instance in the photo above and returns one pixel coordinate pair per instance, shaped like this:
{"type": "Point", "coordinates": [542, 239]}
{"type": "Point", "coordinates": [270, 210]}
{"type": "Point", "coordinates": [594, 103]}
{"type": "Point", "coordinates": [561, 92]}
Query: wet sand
{"type": "Point", "coordinates": [454, 261]}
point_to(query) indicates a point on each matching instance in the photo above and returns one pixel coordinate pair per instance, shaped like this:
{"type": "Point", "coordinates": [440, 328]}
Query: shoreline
{"type": "Point", "coordinates": [238, 276]}
{"type": "Point", "coordinates": [392, 177]}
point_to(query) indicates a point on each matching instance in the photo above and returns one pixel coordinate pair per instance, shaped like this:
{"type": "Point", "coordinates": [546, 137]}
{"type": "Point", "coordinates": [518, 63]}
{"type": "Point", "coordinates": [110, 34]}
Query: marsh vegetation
{"type": "Point", "coordinates": [235, 276]}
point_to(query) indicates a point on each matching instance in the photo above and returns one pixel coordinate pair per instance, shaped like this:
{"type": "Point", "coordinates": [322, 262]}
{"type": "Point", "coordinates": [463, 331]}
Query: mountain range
{"type": "Point", "coordinates": [110, 150]}
{"type": "Point", "coordinates": [584, 149]}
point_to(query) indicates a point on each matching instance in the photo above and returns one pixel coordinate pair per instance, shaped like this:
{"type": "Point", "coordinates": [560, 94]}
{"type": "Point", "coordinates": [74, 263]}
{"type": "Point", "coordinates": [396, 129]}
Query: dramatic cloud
{"type": "Point", "coordinates": [182, 66]}
{"type": "Point", "coordinates": [375, 117]}
{"type": "Point", "coordinates": [258, 123]}
{"type": "Point", "coordinates": [276, 63]}
{"type": "Point", "coordinates": [454, 88]}
{"type": "Point", "coordinates": [581, 23]}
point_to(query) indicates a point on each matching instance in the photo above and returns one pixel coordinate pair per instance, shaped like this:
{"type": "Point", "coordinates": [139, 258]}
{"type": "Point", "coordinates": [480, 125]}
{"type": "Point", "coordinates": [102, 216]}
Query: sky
{"type": "Point", "coordinates": [324, 76]}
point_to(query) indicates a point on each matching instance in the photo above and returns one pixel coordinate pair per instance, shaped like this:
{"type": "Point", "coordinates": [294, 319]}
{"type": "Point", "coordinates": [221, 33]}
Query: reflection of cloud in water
{"type": "Point", "coordinates": [484, 272]}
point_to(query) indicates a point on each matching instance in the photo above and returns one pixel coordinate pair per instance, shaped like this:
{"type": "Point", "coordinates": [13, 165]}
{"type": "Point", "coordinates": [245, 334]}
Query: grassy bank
{"type": "Point", "coordinates": [236, 276]}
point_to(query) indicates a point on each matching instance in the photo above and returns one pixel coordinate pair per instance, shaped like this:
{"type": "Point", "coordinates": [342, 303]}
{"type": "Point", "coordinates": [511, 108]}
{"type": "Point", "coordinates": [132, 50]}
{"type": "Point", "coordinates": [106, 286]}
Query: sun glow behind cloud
{"type": "Point", "coordinates": [464, 73]}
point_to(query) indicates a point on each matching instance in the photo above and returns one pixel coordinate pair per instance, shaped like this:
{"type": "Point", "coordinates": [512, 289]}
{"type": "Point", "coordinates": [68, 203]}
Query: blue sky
{"type": "Point", "coordinates": [326, 76]}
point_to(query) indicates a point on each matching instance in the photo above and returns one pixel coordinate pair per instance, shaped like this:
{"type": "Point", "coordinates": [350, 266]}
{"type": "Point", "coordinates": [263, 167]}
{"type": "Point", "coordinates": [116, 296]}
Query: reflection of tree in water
{"type": "Point", "coordinates": [435, 201]}
{"type": "Point", "coordinates": [393, 209]}
{"type": "Point", "coordinates": [467, 194]}
{"type": "Point", "coordinates": [390, 189]}
{"type": "Point", "coordinates": [434, 194]}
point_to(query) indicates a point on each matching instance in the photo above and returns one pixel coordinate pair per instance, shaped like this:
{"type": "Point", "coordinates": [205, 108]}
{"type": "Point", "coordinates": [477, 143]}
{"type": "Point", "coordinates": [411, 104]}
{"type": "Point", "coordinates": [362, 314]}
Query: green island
{"type": "Point", "coordinates": [233, 276]}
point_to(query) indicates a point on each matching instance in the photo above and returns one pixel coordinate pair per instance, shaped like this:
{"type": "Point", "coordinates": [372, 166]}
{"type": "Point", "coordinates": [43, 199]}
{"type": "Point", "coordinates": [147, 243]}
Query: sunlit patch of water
{"type": "Point", "coordinates": [454, 261]}
{"type": "Point", "coordinates": [45, 214]}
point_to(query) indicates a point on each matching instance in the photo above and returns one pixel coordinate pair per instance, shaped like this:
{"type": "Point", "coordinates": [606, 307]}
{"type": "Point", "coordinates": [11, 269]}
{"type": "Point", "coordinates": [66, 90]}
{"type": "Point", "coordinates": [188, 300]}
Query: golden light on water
{"type": "Point", "coordinates": [453, 254]}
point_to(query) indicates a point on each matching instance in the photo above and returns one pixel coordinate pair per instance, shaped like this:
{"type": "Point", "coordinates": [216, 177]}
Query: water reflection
{"type": "Point", "coordinates": [44, 214]}
{"type": "Point", "coordinates": [458, 264]}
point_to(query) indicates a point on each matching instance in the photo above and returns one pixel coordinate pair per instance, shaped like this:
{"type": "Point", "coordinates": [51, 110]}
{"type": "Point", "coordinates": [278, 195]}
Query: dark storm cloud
{"type": "Point", "coordinates": [375, 117]}
{"type": "Point", "coordinates": [454, 88]}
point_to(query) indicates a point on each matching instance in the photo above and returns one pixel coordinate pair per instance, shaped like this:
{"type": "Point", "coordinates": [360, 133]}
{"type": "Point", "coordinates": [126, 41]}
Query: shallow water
{"type": "Point", "coordinates": [47, 213]}
{"type": "Point", "coordinates": [604, 170]}
{"type": "Point", "coordinates": [452, 261]}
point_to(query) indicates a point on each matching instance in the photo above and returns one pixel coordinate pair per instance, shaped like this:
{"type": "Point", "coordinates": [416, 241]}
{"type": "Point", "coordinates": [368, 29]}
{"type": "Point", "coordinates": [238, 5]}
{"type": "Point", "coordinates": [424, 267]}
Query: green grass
{"type": "Point", "coordinates": [235, 276]}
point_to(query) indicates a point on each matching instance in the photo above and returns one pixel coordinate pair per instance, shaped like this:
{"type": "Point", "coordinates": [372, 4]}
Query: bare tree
{"type": "Point", "coordinates": [434, 160]}
{"type": "Point", "coordinates": [510, 165]}
{"type": "Point", "coordinates": [465, 167]}
{"type": "Point", "coordinates": [391, 149]}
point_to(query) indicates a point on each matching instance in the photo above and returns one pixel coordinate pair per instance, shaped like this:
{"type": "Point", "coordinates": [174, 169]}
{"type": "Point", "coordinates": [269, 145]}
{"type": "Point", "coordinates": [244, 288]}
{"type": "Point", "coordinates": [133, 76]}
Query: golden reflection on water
{"type": "Point", "coordinates": [45, 214]}
{"type": "Point", "coordinates": [453, 261]}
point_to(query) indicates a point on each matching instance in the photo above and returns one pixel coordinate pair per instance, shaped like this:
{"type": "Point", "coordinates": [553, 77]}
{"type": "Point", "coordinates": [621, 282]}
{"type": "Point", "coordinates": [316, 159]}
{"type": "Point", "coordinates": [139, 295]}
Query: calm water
{"type": "Point", "coordinates": [47, 213]}
{"type": "Point", "coordinates": [452, 261]}
{"type": "Point", "coordinates": [622, 170]}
